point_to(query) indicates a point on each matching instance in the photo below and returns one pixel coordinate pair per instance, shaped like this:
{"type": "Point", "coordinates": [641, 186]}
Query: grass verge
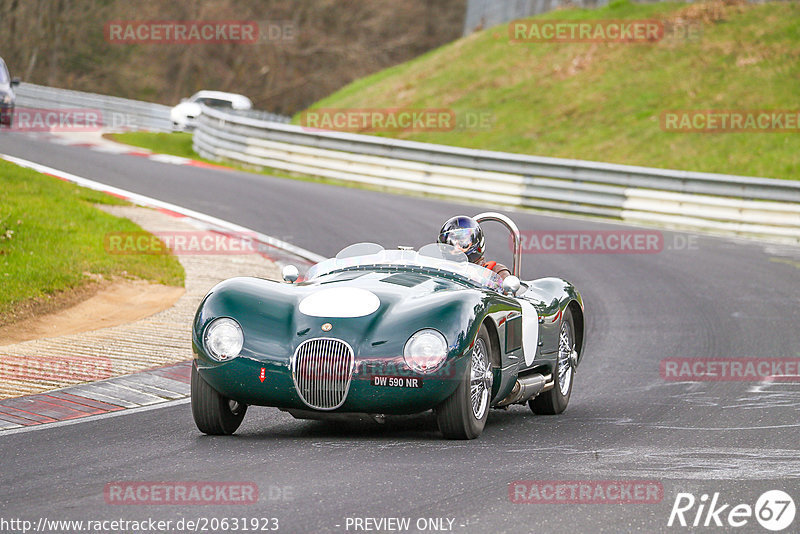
{"type": "Point", "coordinates": [176, 143]}
{"type": "Point", "coordinates": [52, 241]}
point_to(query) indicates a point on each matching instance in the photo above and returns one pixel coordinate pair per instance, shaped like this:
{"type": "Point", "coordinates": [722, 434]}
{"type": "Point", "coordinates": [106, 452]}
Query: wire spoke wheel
{"type": "Point", "coordinates": [480, 379]}
{"type": "Point", "coordinates": [566, 345]}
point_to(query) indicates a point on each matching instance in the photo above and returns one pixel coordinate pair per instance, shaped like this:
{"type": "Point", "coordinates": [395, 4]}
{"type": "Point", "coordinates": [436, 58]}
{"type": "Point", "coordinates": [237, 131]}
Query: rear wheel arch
{"type": "Point", "coordinates": [578, 320]}
{"type": "Point", "coordinates": [555, 400]}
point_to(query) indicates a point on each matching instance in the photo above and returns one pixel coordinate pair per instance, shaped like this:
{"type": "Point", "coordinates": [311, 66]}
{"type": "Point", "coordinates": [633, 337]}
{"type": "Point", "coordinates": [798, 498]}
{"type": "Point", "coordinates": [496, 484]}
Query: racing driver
{"type": "Point", "coordinates": [465, 234]}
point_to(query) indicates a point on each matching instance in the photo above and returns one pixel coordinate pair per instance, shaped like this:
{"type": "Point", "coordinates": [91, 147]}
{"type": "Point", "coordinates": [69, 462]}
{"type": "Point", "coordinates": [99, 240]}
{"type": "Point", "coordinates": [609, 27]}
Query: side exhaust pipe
{"type": "Point", "coordinates": [527, 387]}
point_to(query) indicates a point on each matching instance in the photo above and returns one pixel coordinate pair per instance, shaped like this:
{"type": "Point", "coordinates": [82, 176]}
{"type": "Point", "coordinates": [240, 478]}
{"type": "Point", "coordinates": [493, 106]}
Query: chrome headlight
{"type": "Point", "coordinates": [223, 339]}
{"type": "Point", "coordinates": [425, 350]}
{"type": "Point", "coordinates": [6, 99]}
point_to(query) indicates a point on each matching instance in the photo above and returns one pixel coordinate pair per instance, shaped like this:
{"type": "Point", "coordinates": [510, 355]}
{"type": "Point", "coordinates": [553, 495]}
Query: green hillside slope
{"type": "Point", "coordinates": [604, 101]}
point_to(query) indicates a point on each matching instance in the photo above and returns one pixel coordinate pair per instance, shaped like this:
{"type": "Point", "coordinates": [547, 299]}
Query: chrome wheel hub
{"type": "Point", "coordinates": [481, 377]}
{"type": "Point", "coordinates": [234, 407]}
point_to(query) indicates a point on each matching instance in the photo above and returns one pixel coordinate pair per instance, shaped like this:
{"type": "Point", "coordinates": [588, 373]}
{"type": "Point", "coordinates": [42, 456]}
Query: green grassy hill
{"type": "Point", "coordinates": [52, 240]}
{"type": "Point", "coordinates": [603, 101]}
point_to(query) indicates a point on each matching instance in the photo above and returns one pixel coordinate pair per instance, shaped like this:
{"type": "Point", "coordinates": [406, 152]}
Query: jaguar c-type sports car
{"type": "Point", "coordinates": [376, 332]}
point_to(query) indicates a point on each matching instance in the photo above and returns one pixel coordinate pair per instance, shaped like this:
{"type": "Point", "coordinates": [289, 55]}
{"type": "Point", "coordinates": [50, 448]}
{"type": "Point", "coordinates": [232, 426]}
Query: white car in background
{"type": "Point", "coordinates": [184, 115]}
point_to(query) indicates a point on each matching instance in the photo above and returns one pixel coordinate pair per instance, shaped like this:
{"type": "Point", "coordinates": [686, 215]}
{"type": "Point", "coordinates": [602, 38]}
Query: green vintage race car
{"type": "Point", "coordinates": [375, 332]}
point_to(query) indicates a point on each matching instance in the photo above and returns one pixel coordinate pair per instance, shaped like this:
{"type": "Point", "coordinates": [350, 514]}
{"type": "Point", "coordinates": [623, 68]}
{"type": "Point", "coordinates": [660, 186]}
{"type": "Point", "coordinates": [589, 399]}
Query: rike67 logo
{"type": "Point", "coordinates": [774, 510]}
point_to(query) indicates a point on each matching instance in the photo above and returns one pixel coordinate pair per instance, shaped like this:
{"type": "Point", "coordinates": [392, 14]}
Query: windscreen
{"type": "Point", "coordinates": [435, 258]}
{"type": "Point", "coordinates": [215, 103]}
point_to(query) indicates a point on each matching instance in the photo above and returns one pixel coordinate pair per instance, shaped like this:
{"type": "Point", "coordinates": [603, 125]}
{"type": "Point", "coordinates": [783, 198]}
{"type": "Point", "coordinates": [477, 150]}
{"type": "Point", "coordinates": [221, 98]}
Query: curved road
{"type": "Point", "coordinates": [713, 298]}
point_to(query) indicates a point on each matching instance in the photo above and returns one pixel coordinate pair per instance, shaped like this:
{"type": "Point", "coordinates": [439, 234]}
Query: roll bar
{"type": "Point", "coordinates": [491, 216]}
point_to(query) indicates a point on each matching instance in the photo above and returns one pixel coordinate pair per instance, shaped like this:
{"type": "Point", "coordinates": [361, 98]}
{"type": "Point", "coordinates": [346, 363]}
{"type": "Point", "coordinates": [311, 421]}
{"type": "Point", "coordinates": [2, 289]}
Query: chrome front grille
{"type": "Point", "coordinates": [322, 369]}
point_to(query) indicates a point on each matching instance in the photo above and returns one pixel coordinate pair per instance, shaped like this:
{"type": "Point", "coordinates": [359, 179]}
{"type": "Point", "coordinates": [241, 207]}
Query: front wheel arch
{"type": "Point", "coordinates": [457, 416]}
{"type": "Point", "coordinates": [213, 413]}
{"type": "Point", "coordinates": [494, 349]}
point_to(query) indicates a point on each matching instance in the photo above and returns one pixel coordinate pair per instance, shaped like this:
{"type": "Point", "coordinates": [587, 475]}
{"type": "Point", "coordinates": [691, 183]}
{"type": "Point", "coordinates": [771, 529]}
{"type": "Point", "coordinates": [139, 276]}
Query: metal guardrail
{"type": "Point", "coordinates": [259, 114]}
{"type": "Point", "coordinates": [716, 202]}
{"type": "Point", "coordinates": [751, 206]}
{"type": "Point", "coordinates": [483, 14]}
{"type": "Point", "coordinates": [117, 113]}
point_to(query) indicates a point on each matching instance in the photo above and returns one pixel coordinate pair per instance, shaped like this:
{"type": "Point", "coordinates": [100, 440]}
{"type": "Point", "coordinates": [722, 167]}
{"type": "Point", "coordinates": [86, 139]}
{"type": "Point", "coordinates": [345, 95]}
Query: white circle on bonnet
{"type": "Point", "coordinates": [340, 302]}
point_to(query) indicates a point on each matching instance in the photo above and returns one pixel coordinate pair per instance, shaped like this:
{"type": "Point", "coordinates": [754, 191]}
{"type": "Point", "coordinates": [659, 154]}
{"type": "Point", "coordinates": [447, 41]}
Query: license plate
{"type": "Point", "coordinates": [397, 381]}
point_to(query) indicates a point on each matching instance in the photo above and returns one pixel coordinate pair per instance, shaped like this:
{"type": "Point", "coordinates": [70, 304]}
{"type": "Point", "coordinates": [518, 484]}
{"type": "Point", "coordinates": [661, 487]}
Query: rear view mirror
{"type": "Point", "coordinates": [290, 274]}
{"type": "Point", "coordinates": [15, 81]}
{"type": "Point", "coordinates": [511, 285]}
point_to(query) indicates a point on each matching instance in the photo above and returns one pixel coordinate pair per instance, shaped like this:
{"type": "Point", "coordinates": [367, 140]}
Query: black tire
{"type": "Point", "coordinates": [555, 401]}
{"type": "Point", "coordinates": [214, 414]}
{"type": "Point", "coordinates": [456, 417]}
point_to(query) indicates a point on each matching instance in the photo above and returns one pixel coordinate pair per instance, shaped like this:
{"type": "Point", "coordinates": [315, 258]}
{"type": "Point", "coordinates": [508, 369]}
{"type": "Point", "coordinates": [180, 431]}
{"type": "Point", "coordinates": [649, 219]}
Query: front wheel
{"type": "Point", "coordinates": [555, 401]}
{"type": "Point", "coordinates": [214, 414]}
{"type": "Point", "coordinates": [463, 414]}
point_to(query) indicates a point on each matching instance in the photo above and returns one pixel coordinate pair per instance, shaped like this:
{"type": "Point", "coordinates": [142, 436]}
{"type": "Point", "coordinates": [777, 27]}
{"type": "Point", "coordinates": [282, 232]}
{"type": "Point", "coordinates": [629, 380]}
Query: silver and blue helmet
{"type": "Point", "coordinates": [465, 234]}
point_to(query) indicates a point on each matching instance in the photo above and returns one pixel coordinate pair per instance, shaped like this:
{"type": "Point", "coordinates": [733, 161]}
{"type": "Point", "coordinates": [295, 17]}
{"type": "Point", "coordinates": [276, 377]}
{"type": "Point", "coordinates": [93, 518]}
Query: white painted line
{"type": "Point", "coordinates": [7, 424]}
{"type": "Point", "coordinates": [157, 381]}
{"type": "Point", "coordinates": [151, 389]}
{"type": "Point", "coordinates": [112, 149]}
{"type": "Point", "coordinates": [167, 158]}
{"type": "Point", "coordinates": [143, 200]}
{"type": "Point", "coordinates": [90, 391]}
{"type": "Point", "coordinates": [115, 390]}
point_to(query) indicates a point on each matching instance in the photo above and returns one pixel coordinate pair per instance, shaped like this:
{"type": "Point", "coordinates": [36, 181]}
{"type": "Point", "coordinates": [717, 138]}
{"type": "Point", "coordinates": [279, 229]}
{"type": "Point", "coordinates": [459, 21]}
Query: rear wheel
{"type": "Point", "coordinates": [463, 415]}
{"type": "Point", "coordinates": [555, 401]}
{"type": "Point", "coordinates": [214, 414]}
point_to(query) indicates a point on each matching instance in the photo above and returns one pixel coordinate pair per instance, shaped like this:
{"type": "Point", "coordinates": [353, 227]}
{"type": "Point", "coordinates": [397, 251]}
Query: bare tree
{"type": "Point", "coordinates": [62, 43]}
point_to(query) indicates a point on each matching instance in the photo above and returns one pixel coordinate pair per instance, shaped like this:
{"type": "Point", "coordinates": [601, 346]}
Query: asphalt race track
{"type": "Point", "coordinates": [701, 297]}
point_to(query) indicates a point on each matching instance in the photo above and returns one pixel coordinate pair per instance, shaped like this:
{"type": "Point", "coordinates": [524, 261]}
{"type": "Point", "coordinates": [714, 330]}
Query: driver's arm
{"type": "Point", "coordinates": [498, 268]}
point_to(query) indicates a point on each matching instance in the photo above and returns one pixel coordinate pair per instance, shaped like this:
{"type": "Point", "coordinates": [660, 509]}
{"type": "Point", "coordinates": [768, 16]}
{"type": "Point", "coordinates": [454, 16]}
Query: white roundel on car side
{"type": "Point", "coordinates": [340, 302]}
{"type": "Point", "coordinates": [530, 331]}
